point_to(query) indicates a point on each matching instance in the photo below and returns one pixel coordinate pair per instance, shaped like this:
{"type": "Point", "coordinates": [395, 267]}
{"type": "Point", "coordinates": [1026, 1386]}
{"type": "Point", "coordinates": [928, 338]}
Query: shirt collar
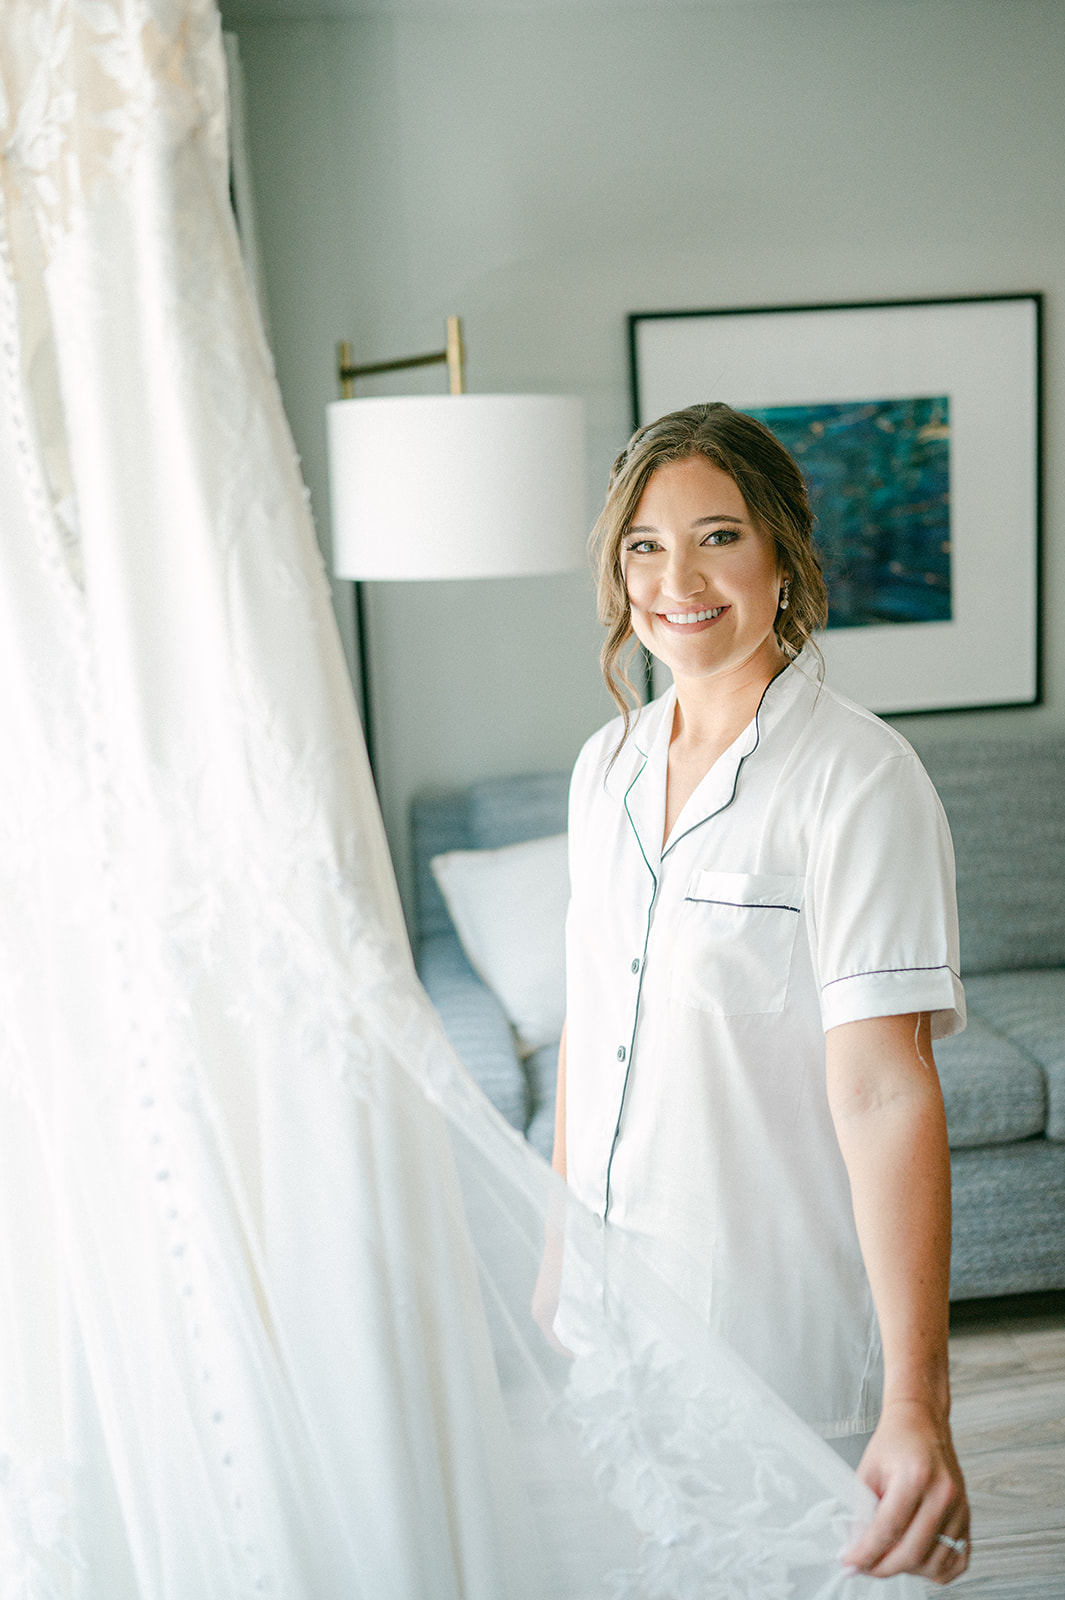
{"type": "Point", "coordinates": [644, 780]}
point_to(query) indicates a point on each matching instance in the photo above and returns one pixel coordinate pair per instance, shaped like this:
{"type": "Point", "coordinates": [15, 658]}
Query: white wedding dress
{"type": "Point", "coordinates": [266, 1254]}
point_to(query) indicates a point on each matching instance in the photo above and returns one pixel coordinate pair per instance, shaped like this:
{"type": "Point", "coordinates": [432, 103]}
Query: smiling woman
{"type": "Point", "coordinates": [763, 915]}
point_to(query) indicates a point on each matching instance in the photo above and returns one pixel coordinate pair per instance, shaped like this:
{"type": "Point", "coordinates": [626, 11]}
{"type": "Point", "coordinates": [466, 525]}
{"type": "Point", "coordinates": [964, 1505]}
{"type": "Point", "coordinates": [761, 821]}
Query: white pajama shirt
{"type": "Point", "coordinates": [808, 881]}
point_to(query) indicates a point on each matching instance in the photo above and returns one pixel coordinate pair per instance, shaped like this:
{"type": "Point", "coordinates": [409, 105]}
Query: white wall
{"type": "Point", "coordinates": [545, 175]}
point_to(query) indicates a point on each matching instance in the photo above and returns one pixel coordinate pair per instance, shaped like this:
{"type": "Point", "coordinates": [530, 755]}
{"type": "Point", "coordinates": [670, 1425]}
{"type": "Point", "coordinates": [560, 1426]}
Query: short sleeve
{"type": "Point", "coordinates": [881, 902]}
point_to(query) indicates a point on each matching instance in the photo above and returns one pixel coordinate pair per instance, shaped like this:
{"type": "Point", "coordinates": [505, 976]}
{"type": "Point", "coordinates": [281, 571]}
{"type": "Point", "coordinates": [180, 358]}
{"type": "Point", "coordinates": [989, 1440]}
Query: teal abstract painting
{"type": "Point", "coordinates": [878, 476]}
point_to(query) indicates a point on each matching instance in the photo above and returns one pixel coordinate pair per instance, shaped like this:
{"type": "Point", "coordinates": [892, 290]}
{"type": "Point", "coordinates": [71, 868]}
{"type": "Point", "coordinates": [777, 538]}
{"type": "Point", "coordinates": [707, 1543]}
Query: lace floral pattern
{"type": "Point", "coordinates": [720, 1521]}
{"type": "Point", "coordinates": [143, 68]}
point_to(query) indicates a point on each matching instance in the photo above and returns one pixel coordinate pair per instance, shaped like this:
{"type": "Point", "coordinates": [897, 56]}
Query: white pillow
{"type": "Point", "coordinates": [509, 908]}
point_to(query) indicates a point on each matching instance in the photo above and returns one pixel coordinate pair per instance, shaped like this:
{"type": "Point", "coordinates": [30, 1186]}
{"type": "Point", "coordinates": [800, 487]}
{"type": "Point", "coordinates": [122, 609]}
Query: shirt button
{"type": "Point", "coordinates": [621, 1052]}
{"type": "Point", "coordinates": [636, 965]}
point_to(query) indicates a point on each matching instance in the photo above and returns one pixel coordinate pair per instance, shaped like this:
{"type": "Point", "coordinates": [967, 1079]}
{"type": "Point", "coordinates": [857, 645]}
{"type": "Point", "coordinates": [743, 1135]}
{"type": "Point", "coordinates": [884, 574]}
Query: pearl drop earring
{"type": "Point", "coordinates": [784, 594]}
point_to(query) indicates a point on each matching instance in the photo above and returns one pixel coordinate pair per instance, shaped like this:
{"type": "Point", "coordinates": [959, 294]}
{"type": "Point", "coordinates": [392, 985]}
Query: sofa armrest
{"type": "Point", "coordinates": [475, 1024]}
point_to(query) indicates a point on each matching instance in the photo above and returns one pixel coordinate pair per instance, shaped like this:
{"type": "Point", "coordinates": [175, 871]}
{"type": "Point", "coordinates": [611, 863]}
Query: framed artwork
{"type": "Point", "coordinates": [917, 427]}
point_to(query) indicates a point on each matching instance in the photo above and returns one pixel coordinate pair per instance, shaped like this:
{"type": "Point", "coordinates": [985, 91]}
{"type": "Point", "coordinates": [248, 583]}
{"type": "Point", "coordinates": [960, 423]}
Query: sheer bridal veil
{"type": "Point", "coordinates": [266, 1255]}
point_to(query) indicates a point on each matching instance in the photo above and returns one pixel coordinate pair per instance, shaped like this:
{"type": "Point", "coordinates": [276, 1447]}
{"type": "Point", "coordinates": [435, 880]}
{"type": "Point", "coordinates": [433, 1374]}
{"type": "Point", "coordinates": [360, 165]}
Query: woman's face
{"type": "Point", "coordinates": [703, 579]}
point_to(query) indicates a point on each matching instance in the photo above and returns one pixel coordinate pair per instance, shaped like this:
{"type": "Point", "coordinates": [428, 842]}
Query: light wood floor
{"type": "Point", "coordinates": [1008, 1381]}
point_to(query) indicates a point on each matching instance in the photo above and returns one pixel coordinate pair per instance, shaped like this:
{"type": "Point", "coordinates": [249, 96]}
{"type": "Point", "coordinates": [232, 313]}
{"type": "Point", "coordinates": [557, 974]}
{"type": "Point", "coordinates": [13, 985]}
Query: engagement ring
{"type": "Point", "coordinates": [958, 1545]}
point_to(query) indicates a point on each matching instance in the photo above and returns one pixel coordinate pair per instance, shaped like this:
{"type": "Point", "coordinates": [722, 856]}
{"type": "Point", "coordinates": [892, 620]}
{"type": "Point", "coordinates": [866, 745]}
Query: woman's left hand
{"type": "Point", "coordinates": [911, 1467]}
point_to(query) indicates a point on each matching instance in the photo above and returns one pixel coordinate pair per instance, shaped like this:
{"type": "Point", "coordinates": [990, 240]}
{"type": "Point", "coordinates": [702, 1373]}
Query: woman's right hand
{"type": "Point", "coordinates": [548, 1284]}
{"type": "Point", "coordinates": [549, 1278]}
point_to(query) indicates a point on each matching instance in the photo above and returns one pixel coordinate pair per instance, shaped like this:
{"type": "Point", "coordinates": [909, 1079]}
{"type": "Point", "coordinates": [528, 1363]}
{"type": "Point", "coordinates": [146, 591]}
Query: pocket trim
{"type": "Point", "coordinates": [754, 891]}
{"type": "Point", "coordinates": [744, 905]}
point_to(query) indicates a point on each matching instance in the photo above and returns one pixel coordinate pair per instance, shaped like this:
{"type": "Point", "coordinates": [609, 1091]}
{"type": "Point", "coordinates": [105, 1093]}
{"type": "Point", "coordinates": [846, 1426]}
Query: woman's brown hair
{"type": "Point", "coordinates": [775, 495]}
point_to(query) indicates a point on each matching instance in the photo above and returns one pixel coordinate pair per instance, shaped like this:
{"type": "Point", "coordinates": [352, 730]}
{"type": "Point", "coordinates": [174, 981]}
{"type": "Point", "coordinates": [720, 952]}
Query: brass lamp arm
{"type": "Point", "coordinates": [454, 355]}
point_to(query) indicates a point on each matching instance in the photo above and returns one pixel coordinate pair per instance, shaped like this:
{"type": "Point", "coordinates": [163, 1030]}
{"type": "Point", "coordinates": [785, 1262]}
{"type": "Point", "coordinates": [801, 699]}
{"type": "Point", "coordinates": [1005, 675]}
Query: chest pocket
{"type": "Point", "coordinates": [735, 936]}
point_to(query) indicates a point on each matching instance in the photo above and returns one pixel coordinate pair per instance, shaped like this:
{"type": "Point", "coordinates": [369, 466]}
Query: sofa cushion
{"type": "Point", "coordinates": [474, 1023]}
{"type": "Point", "coordinates": [509, 810]}
{"type": "Point", "coordinates": [494, 812]}
{"type": "Point", "coordinates": [1008, 1206]}
{"type": "Point", "coordinates": [1005, 801]}
{"type": "Point", "coordinates": [439, 821]}
{"type": "Point", "coordinates": [1030, 1008]}
{"type": "Point", "coordinates": [542, 1072]}
{"type": "Point", "coordinates": [509, 906]}
{"type": "Point", "coordinates": [993, 1091]}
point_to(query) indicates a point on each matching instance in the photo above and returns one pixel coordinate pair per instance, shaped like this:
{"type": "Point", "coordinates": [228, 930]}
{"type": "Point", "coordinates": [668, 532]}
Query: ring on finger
{"type": "Point", "coordinates": [959, 1546]}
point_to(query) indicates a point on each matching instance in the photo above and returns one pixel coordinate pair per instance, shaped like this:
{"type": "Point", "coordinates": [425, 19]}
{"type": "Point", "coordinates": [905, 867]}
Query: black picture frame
{"type": "Point", "coordinates": [964, 372]}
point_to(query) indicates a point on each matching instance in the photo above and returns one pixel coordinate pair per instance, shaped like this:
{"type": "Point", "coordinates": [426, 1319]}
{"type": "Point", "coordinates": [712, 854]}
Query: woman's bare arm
{"type": "Point", "coordinates": [549, 1278]}
{"type": "Point", "coordinates": [888, 1111]}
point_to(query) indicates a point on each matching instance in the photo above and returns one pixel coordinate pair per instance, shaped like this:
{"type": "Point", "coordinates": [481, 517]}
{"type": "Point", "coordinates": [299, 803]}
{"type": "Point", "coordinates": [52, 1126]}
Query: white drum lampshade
{"type": "Point", "coordinates": [457, 486]}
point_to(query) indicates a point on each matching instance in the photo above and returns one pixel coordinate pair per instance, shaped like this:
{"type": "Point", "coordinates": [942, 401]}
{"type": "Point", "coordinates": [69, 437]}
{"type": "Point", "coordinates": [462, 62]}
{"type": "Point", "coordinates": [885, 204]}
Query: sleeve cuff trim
{"type": "Point", "coordinates": [894, 991]}
{"type": "Point", "coordinates": [880, 972]}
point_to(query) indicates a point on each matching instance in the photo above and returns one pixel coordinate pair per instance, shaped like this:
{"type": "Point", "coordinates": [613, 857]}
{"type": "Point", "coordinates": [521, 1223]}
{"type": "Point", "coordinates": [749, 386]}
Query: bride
{"type": "Point", "coordinates": [763, 915]}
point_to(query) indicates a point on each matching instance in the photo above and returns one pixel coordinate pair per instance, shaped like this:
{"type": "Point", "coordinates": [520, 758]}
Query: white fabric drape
{"type": "Point", "coordinates": [266, 1255]}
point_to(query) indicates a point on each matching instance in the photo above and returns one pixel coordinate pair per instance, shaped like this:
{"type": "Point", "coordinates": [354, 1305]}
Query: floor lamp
{"type": "Point", "coordinates": [451, 486]}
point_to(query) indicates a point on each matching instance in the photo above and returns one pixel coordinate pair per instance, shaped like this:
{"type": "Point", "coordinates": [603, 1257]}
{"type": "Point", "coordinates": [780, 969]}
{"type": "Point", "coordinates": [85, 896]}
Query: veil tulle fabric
{"type": "Point", "coordinates": [266, 1255]}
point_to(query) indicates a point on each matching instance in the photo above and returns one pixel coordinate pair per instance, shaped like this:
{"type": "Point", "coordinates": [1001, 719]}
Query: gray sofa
{"type": "Point", "coordinates": [1003, 1079]}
